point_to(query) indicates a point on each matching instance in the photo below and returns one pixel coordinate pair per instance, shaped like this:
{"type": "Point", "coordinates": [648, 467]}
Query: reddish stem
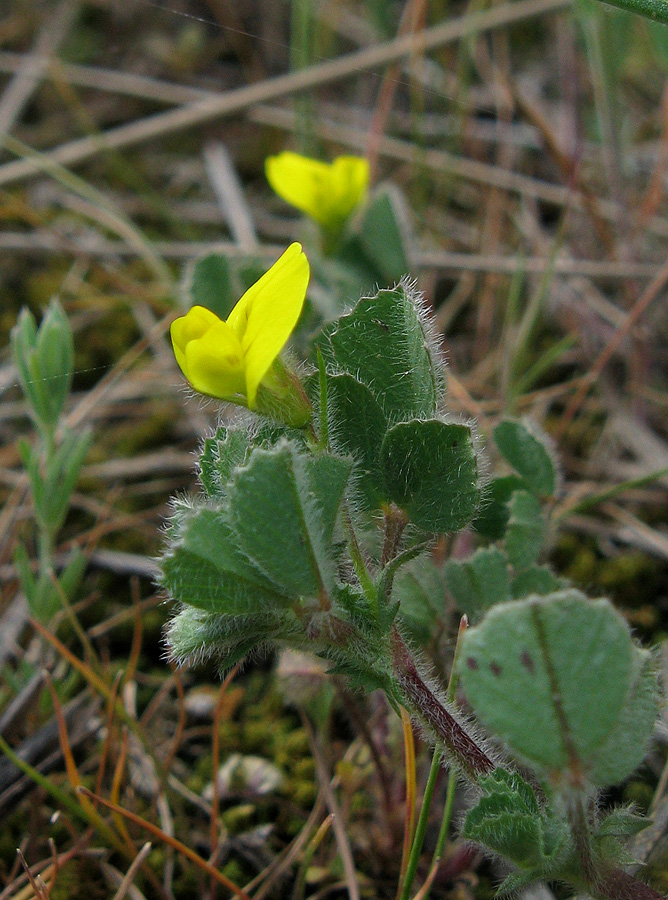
{"type": "Point", "coordinates": [470, 757]}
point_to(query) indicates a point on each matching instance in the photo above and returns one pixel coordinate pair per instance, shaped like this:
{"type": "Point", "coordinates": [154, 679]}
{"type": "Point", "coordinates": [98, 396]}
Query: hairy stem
{"type": "Point", "coordinates": [613, 883]}
{"type": "Point", "coordinates": [460, 746]}
{"type": "Point", "coordinates": [602, 881]}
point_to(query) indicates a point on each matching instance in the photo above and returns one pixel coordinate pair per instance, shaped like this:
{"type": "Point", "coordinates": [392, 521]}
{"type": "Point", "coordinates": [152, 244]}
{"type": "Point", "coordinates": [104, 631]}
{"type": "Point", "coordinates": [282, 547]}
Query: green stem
{"type": "Point", "coordinates": [421, 828]}
{"type": "Point", "coordinates": [581, 832]}
{"type": "Point", "coordinates": [63, 799]}
{"type": "Point", "coordinates": [45, 544]}
{"type": "Point", "coordinates": [610, 493]}
{"type": "Point", "coordinates": [359, 564]}
{"type": "Point", "coordinates": [301, 56]}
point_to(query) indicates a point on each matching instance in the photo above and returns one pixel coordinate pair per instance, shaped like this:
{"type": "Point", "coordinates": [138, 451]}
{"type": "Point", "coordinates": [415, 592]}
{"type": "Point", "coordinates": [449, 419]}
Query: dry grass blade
{"type": "Point", "coordinates": [134, 867]}
{"type": "Point", "coordinates": [38, 887]}
{"type": "Point", "coordinates": [33, 66]}
{"type": "Point", "coordinates": [411, 794]}
{"type": "Point", "coordinates": [230, 195]}
{"type": "Point", "coordinates": [75, 779]}
{"type": "Point", "coordinates": [338, 825]}
{"type": "Point", "coordinates": [651, 293]}
{"type": "Point", "coordinates": [170, 841]}
{"type": "Point", "coordinates": [215, 760]}
{"type": "Point", "coordinates": [240, 99]}
{"type": "Point", "coordinates": [132, 871]}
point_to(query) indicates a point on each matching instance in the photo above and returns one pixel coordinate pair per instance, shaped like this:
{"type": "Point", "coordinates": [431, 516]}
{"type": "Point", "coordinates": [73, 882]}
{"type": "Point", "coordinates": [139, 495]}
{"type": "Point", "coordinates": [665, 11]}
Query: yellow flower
{"type": "Point", "coordinates": [232, 360]}
{"type": "Point", "coordinates": [327, 192]}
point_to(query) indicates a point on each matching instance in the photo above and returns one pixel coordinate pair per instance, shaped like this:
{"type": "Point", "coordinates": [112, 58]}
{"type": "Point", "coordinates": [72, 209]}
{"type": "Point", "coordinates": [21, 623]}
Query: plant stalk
{"type": "Point", "coordinates": [603, 881]}
{"type": "Point", "coordinates": [460, 746]}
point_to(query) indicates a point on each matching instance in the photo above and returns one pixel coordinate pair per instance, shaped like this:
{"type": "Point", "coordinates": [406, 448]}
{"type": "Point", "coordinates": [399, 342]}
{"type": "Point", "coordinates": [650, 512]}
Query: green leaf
{"type": "Point", "coordinates": [283, 506]}
{"type": "Point", "coordinates": [480, 582]}
{"type": "Point", "coordinates": [508, 821]}
{"type": "Point", "coordinates": [327, 479]}
{"type": "Point", "coordinates": [222, 453]}
{"type": "Point", "coordinates": [625, 747]}
{"type": "Point", "coordinates": [211, 285]}
{"type": "Point", "coordinates": [62, 473]}
{"type": "Point", "coordinates": [230, 447]}
{"type": "Point", "coordinates": [621, 822]}
{"type": "Point", "coordinates": [383, 233]}
{"type": "Point", "coordinates": [493, 515]}
{"type": "Point", "coordinates": [526, 530]}
{"type": "Point", "coordinates": [386, 343]}
{"type": "Point", "coordinates": [430, 472]}
{"type": "Point", "coordinates": [351, 273]}
{"type": "Point", "coordinates": [420, 591]}
{"type": "Point", "coordinates": [71, 576]}
{"type": "Point", "coordinates": [54, 359]}
{"type": "Point", "coordinates": [513, 883]}
{"type": "Point", "coordinates": [554, 678]}
{"type": "Point", "coordinates": [535, 580]}
{"type": "Point", "coordinates": [44, 359]}
{"type": "Point", "coordinates": [528, 454]}
{"type": "Point", "coordinates": [25, 573]}
{"type": "Point", "coordinates": [362, 676]}
{"type": "Point", "coordinates": [205, 566]}
{"type": "Point", "coordinates": [194, 635]}
{"type": "Point", "coordinates": [357, 427]}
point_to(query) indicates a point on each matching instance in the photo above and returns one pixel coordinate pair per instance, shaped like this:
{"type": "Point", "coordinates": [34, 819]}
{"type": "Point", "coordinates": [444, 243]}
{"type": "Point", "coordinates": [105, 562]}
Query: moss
{"type": "Point", "coordinates": [238, 818]}
{"type": "Point", "coordinates": [45, 283]}
{"type": "Point", "coordinates": [304, 768]}
{"type": "Point", "coordinates": [640, 793]}
{"type": "Point", "coordinates": [234, 871]}
{"type": "Point", "coordinates": [630, 578]}
{"type": "Point", "coordinates": [79, 879]}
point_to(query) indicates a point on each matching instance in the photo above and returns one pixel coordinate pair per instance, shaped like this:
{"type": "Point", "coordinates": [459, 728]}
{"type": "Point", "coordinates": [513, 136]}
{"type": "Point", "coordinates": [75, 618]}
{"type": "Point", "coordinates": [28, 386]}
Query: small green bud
{"type": "Point", "coordinates": [44, 359]}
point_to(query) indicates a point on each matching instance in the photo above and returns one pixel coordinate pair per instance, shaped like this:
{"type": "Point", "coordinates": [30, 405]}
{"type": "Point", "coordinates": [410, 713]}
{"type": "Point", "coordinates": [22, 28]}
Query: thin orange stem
{"type": "Point", "coordinates": [411, 792]}
{"type": "Point", "coordinates": [170, 841]}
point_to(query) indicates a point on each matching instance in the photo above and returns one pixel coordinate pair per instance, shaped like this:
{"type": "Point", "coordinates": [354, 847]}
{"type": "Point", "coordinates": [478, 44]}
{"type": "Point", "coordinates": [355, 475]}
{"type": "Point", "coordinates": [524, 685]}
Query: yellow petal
{"type": "Point", "coordinates": [350, 180]}
{"type": "Point", "coordinates": [271, 309]}
{"type": "Point", "coordinates": [300, 181]}
{"type": "Point", "coordinates": [327, 193]}
{"type": "Point", "coordinates": [209, 354]}
{"type": "Point", "coordinates": [187, 328]}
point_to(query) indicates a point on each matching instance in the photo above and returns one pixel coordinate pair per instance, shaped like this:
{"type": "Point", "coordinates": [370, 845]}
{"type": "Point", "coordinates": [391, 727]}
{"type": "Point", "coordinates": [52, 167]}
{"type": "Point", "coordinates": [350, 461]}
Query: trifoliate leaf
{"type": "Point", "coordinates": [283, 505]}
{"type": "Point", "coordinates": [357, 427]}
{"type": "Point", "coordinates": [206, 567]}
{"type": "Point", "coordinates": [556, 678]}
{"type": "Point", "coordinates": [492, 518]}
{"type": "Point", "coordinates": [385, 343]}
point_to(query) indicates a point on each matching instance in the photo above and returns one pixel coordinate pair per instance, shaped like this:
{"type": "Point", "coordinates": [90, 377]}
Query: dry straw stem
{"type": "Point", "coordinates": [34, 64]}
{"type": "Point", "coordinates": [134, 867]}
{"type": "Point", "coordinates": [439, 260]}
{"type": "Point", "coordinates": [235, 101]}
{"type": "Point", "coordinates": [411, 793]}
{"type": "Point", "coordinates": [167, 839]}
{"type": "Point", "coordinates": [441, 161]}
{"type": "Point", "coordinates": [338, 825]}
{"type": "Point", "coordinates": [651, 293]}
